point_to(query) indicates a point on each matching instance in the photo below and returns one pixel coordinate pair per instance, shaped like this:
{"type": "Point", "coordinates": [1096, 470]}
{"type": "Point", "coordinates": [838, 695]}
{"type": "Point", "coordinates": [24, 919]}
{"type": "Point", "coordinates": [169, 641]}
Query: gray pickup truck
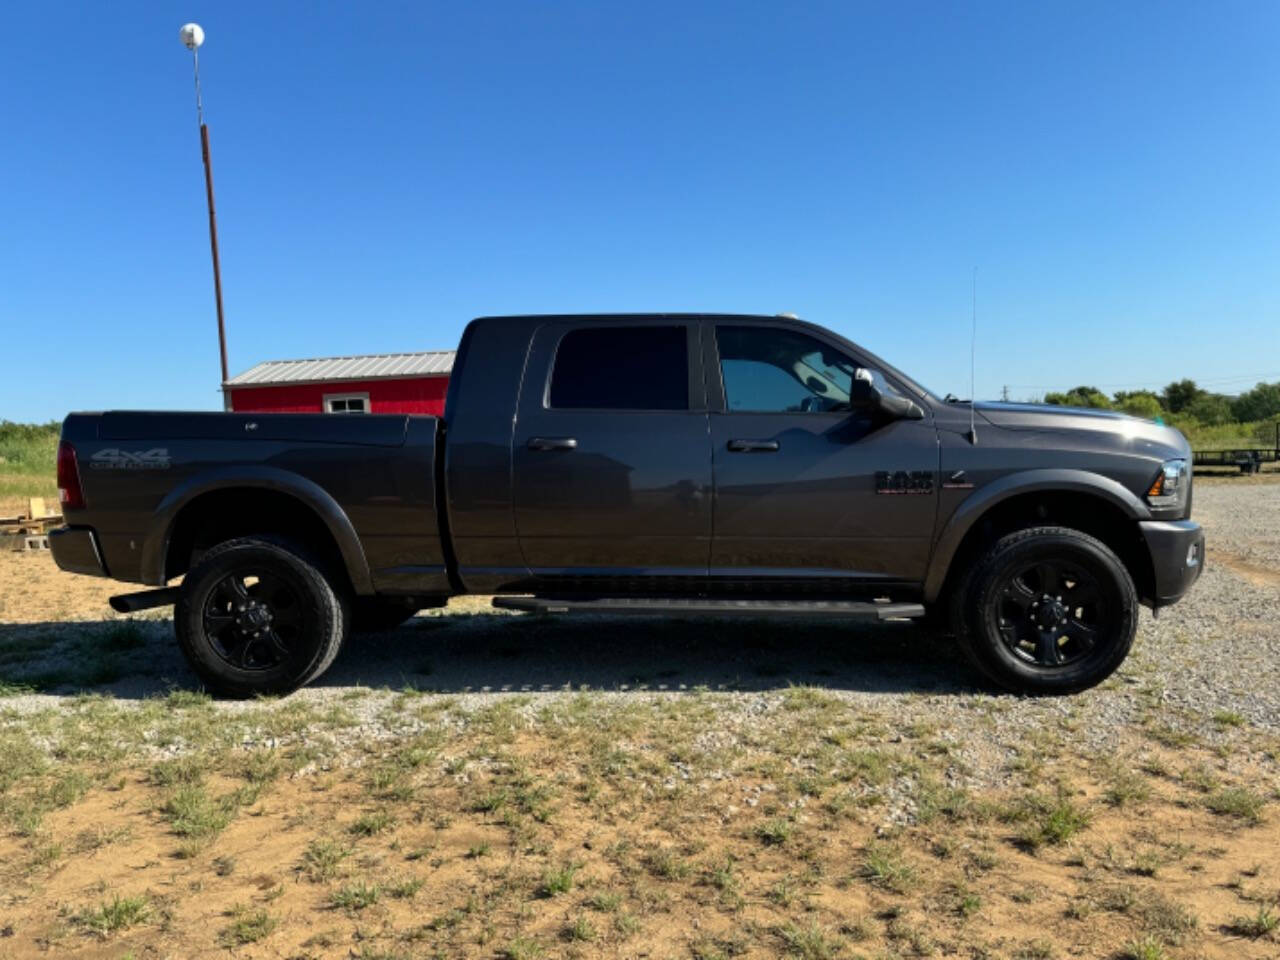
{"type": "Point", "coordinates": [651, 463]}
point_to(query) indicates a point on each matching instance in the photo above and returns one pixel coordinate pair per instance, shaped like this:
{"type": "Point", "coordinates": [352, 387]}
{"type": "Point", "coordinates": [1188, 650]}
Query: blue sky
{"type": "Point", "coordinates": [385, 172]}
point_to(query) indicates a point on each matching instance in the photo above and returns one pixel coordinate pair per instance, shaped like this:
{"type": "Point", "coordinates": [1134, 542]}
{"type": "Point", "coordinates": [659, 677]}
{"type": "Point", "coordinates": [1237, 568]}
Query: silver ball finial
{"type": "Point", "coordinates": [191, 35]}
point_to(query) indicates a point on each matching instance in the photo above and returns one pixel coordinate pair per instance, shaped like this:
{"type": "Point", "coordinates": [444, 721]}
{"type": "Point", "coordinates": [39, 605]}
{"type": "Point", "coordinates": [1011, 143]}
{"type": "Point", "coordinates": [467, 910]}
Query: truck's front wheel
{"type": "Point", "coordinates": [257, 616]}
{"type": "Point", "coordinates": [1047, 610]}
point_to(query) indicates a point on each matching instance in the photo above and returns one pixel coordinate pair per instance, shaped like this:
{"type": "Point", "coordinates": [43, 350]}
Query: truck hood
{"type": "Point", "coordinates": [1048, 417]}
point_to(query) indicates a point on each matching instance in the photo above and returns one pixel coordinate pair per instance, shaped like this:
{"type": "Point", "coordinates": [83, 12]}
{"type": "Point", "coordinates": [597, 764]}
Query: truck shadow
{"type": "Point", "coordinates": [489, 652]}
{"type": "Point", "coordinates": [530, 653]}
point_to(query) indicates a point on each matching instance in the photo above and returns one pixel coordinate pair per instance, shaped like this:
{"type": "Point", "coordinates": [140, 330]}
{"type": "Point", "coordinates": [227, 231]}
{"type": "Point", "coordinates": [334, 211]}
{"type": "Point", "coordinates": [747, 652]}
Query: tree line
{"type": "Point", "coordinates": [1182, 399]}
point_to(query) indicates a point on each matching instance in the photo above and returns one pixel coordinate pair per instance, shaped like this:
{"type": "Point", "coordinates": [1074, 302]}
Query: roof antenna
{"type": "Point", "coordinates": [973, 347]}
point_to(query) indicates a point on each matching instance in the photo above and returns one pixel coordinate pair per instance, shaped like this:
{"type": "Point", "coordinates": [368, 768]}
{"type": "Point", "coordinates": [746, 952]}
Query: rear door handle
{"type": "Point", "coordinates": [753, 446]}
{"type": "Point", "coordinates": [552, 443]}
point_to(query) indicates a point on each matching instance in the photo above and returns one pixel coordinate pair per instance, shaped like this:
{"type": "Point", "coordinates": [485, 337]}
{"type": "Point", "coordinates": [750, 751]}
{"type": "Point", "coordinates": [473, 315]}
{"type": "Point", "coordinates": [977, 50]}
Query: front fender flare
{"type": "Point", "coordinates": [155, 547]}
{"type": "Point", "coordinates": [1013, 485]}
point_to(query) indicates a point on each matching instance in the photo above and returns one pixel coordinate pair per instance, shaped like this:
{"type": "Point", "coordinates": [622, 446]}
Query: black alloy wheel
{"type": "Point", "coordinates": [253, 620]}
{"type": "Point", "coordinates": [1046, 610]}
{"type": "Point", "coordinates": [1049, 613]}
{"type": "Point", "coordinates": [260, 615]}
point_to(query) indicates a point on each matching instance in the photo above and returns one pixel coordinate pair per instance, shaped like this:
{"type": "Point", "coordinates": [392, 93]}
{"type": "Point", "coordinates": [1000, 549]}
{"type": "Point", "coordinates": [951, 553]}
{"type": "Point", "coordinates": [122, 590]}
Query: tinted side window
{"type": "Point", "coordinates": [622, 368]}
{"type": "Point", "coordinates": [781, 371]}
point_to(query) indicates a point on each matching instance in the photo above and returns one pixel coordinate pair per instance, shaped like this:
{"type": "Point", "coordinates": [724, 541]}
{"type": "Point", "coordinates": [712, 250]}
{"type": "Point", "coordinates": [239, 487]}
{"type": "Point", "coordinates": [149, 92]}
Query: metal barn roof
{"type": "Point", "coordinates": [370, 367]}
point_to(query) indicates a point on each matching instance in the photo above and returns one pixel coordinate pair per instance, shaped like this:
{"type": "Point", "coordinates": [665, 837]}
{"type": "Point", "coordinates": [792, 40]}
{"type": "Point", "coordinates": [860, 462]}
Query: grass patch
{"type": "Point", "coordinates": [1045, 821]}
{"type": "Point", "coordinates": [883, 865]}
{"type": "Point", "coordinates": [1126, 788]}
{"type": "Point", "coordinates": [28, 455]}
{"type": "Point", "coordinates": [605, 901]}
{"type": "Point", "coordinates": [371, 823]}
{"type": "Point", "coordinates": [522, 948]}
{"type": "Point", "coordinates": [1147, 948]}
{"type": "Point", "coordinates": [184, 769]}
{"type": "Point", "coordinates": [321, 859]}
{"type": "Point", "coordinates": [1160, 918]}
{"type": "Point", "coordinates": [558, 881]}
{"type": "Point", "coordinates": [1262, 924]}
{"type": "Point", "coordinates": [194, 814]}
{"type": "Point", "coordinates": [1238, 802]}
{"type": "Point", "coordinates": [582, 930]}
{"type": "Point", "coordinates": [774, 832]}
{"type": "Point", "coordinates": [247, 926]}
{"type": "Point", "coordinates": [406, 888]}
{"type": "Point", "coordinates": [118, 913]}
{"type": "Point", "coordinates": [665, 864]}
{"type": "Point", "coordinates": [809, 942]}
{"type": "Point", "coordinates": [356, 896]}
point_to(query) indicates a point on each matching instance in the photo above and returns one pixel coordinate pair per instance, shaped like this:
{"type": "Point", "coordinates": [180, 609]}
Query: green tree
{"type": "Point", "coordinates": [1180, 394]}
{"type": "Point", "coordinates": [1138, 403]}
{"type": "Point", "coordinates": [1079, 397]}
{"type": "Point", "coordinates": [1210, 408]}
{"type": "Point", "coordinates": [1261, 402]}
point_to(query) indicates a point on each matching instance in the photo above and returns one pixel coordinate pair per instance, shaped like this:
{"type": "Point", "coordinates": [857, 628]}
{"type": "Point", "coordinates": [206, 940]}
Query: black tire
{"type": "Point", "coordinates": [1047, 610]}
{"type": "Point", "coordinates": [279, 629]}
{"type": "Point", "coordinates": [379, 614]}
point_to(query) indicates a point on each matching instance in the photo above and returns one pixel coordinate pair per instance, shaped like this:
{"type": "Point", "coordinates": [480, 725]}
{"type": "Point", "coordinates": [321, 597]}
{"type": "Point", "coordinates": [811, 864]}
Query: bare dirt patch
{"type": "Point", "coordinates": [588, 833]}
{"type": "Point", "coordinates": [1258, 574]}
{"type": "Point", "coordinates": [33, 590]}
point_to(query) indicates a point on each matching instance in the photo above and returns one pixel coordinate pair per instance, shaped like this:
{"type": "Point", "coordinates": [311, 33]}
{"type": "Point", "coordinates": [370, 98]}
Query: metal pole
{"type": "Point", "coordinates": [213, 246]}
{"type": "Point", "coordinates": [213, 217]}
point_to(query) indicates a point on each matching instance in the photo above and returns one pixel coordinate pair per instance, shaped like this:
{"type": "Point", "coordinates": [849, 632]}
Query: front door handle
{"type": "Point", "coordinates": [753, 446]}
{"type": "Point", "coordinates": [552, 443]}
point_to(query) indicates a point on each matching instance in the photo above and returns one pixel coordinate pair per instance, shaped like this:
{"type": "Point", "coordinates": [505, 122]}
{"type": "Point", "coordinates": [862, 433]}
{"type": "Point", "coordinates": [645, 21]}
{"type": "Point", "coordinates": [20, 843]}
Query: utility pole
{"type": "Point", "coordinates": [192, 37]}
{"type": "Point", "coordinates": [1004, 393]}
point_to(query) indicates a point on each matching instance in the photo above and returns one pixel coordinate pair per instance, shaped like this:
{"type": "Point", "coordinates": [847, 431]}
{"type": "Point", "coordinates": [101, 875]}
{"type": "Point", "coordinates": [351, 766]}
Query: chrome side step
{"type": "Point", "coordinates": [704, 606]}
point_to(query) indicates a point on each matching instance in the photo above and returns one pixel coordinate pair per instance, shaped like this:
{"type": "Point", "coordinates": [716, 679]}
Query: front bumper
{"type": "Point", "coordinates": [75, 549]}
{"type": "Point", "coordinates": [1177, 557]}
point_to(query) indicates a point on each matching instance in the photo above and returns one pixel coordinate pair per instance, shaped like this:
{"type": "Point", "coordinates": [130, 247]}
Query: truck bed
{"type": "Point", "coordinates": [152, 479]}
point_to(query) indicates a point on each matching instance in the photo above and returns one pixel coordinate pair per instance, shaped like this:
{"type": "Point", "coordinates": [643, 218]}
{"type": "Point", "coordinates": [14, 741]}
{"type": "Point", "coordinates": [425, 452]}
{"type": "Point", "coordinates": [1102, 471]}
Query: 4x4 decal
{"type": "Point", "coordinates": [113, 458]}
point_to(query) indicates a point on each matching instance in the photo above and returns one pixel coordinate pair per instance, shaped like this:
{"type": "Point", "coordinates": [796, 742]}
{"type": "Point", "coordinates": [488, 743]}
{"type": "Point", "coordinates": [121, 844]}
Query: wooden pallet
{"type": "Point", "coordinates": [35, 521]}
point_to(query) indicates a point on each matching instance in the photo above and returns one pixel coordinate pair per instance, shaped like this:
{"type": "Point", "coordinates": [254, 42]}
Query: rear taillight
{"type": "Point", "coordinates": [69, 491]}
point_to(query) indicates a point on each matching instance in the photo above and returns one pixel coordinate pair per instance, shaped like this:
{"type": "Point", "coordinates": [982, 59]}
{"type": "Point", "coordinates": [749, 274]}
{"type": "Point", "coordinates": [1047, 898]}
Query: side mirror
{"type": "Point", "coordinates": [865, 395]}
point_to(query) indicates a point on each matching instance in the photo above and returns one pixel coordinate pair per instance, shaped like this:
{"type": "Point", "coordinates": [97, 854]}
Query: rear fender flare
{"type": "Point", "coordinates": [1013, 485]}
{"type": "Point", "coordinates": [155, 547]}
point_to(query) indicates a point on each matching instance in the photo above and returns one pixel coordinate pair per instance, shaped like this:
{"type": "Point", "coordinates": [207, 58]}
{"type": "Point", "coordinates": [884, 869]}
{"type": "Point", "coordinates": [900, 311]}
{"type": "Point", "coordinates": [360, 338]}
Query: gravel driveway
{"type": "Point", "coordinates": [1215, 655]}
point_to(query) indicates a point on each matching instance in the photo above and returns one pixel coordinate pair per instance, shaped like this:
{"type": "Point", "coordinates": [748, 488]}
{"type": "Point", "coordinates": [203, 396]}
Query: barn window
{"type": "Point", "coordinates": [346, 403]}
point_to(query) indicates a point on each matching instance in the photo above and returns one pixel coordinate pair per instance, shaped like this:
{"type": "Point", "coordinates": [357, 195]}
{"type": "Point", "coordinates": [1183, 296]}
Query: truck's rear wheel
{"type": "Point", "coordinates": [257, 616]}
{"type": "Point", "coordinates": [1047, 610]}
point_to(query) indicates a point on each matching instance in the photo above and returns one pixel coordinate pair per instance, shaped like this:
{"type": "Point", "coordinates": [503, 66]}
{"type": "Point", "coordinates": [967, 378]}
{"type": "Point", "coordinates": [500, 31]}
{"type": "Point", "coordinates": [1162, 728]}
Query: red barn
{"type": "Point", "coordinates": [380, 383]}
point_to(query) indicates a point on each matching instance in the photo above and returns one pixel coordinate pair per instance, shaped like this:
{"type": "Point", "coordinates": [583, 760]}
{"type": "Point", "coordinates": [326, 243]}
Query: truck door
{"type": "Point", "coordinates": [806, 488]}
{"type": "Point", "coordinates": [611, 456]}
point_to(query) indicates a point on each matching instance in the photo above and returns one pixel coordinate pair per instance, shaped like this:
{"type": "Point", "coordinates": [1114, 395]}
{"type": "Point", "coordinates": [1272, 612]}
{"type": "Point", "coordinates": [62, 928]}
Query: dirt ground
{"type": "Point", "coordinates": [484, 785]}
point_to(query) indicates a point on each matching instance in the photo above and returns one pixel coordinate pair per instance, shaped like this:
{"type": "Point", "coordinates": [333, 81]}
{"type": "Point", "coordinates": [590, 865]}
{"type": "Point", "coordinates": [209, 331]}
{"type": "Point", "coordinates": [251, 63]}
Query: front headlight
{"type": "Point", "coordinates": [1171, 485]}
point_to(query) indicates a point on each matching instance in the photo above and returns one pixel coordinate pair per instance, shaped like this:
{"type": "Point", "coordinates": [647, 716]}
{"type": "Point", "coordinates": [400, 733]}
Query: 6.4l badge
{"type": "Point", "coordinates": [904, 481]}
{"type": "Point", "coordinates": [113, 458]}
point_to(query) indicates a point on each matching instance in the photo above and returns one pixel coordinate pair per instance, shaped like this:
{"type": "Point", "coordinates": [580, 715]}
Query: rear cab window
{"type": "Point", "coordinates": [621, 368]}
